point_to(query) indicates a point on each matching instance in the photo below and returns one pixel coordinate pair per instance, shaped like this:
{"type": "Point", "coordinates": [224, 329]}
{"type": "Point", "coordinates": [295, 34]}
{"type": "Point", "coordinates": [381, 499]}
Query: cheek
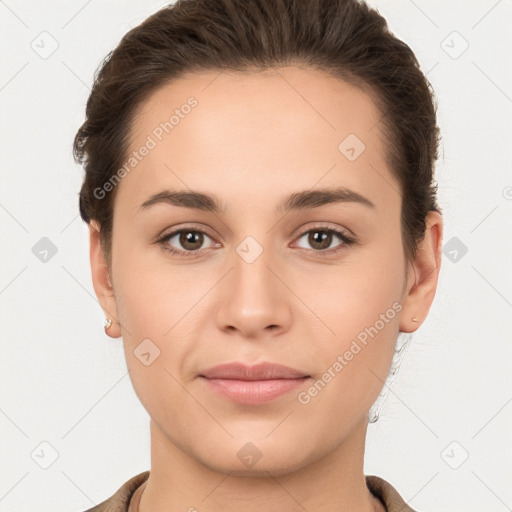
{"type": "Point", "coordinates": [358, 310]}
{"type": "Point", "coordinates": [353, 362]}
{"type": "Point", "coordinates": [154, 295]}
{"type": "Point", "coordinates": [354, 294]}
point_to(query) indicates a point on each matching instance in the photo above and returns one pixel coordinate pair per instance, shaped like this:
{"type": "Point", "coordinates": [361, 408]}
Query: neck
{"type": "Point", "coordinates": [333, 482]}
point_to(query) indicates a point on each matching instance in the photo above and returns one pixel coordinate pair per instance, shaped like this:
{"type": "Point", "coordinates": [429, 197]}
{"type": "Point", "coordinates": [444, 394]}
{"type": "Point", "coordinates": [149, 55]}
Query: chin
{"type": "Point", "coordinates": [255, 459]}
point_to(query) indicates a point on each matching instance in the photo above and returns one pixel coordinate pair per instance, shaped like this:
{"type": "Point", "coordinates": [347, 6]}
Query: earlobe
{"type": "Point", "coordinates": [101, 280]}
{"type": "Point", "coordinates": [423, 275]}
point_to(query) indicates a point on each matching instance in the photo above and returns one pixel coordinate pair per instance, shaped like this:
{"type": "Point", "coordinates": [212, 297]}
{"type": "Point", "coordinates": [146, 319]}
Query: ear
{"type": "Point", "coordinates": [101, 280]}
{"type": "Point", "coordinates": [423, 274]}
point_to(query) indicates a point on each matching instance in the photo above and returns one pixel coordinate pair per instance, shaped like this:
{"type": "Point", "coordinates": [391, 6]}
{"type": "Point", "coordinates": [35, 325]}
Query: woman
{"type": "Point", "coordinates": [263, 229]}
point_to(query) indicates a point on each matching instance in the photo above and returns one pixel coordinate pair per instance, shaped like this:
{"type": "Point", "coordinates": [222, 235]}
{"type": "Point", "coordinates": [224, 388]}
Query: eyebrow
{"type": "Point", "coordinates": [303, 200]}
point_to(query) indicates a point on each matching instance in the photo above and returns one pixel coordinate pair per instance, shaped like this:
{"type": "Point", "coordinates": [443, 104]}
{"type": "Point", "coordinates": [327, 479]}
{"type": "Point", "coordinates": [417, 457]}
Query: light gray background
{"type": "Point", "coordinates": [64, 383]}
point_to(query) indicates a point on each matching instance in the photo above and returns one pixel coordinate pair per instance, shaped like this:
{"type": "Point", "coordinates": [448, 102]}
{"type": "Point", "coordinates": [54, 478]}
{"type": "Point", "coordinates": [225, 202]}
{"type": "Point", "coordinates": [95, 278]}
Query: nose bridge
{"type": "Point", "coordinates": [252, 277]}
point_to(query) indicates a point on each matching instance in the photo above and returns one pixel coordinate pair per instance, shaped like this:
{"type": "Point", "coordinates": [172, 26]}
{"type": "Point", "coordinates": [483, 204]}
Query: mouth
{"type": "Point", "coordinates": [253, 385]}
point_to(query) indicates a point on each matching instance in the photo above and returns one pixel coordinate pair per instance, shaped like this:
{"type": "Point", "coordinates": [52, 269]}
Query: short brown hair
{"type": "Point", "coordinates": [346, 38]}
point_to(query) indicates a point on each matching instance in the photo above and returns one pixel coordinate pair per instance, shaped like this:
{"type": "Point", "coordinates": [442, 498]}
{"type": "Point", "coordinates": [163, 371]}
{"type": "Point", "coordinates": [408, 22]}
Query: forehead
{"type": "Point", "coordinates": [257, 132]}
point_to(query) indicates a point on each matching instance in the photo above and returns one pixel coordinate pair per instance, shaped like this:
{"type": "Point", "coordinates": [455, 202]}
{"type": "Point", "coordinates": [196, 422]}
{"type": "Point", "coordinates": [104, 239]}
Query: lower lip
{"type": "Point", "coordinates": [253, 391]}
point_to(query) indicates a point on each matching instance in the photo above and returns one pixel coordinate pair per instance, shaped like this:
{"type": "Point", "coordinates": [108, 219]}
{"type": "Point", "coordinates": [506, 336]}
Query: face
{"type": "Point", "coordinates": [267, 268]}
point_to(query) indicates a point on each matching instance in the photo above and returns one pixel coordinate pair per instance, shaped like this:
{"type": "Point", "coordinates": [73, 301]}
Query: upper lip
{"type": "Point", "coordinates": [261, 371]}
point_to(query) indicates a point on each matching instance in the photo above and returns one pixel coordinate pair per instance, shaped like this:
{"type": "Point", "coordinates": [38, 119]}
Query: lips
{"type": "Point", "coordinates": [261, 371]}
{"type": "Point", "coordinates": [253, 385]}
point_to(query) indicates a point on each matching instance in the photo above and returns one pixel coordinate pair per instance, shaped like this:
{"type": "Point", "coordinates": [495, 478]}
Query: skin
{"type": "Point", "coordinates": [253, 139]}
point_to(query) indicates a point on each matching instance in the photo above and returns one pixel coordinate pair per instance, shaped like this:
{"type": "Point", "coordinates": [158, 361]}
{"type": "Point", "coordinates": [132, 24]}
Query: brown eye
{"type": "Point", "coordinates": [184, 241]}
{"type": "Point", "coordinates": [320, 239]}
{"type": "Point", "coordinates": [191, 240]}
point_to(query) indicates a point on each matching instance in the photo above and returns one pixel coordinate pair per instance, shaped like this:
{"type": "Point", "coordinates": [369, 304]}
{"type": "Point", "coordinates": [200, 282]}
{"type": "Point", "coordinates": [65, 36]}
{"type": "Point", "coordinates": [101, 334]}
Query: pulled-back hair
{"type": "Point", "coordinates": [345, 38]}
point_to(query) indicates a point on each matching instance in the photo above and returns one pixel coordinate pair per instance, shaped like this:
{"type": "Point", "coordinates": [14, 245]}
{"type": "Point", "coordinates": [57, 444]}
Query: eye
{"type": "Point", "coordinates": [191, 240]}
{"type": "Point", "coordinates": [320, 239]}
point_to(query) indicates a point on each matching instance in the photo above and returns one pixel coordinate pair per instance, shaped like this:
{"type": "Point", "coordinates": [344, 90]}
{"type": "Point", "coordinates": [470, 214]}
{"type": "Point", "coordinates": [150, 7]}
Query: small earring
{"type": "Point", "coordinates": [373, 415]}
{"type": "Point", "coordinates": [108, 323]}
{"type": "Point", "coordinates": [414, 319]}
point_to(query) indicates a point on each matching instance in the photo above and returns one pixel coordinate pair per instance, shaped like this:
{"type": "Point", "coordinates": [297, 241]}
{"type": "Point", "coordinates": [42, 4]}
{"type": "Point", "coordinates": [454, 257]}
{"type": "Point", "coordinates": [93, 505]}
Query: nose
{"type": "Point", "coordinates": [253, 300]}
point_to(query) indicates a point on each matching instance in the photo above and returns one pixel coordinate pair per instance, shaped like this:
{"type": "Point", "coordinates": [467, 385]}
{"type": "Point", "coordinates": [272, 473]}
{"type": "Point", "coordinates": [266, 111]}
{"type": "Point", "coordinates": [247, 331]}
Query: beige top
{"type": "Point", "coordinates": [127, 497]}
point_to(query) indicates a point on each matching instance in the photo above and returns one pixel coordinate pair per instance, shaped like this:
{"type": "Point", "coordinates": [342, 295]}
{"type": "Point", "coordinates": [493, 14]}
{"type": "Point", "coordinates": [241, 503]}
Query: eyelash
{"type": "Point", "coordinates": [346, 239]}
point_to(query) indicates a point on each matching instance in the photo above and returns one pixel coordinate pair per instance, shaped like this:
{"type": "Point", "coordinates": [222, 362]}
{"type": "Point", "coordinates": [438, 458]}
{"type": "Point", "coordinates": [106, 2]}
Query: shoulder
{"type": "Point", "coordinates": [120, 500]}
{"type": "Point", "coordinates": [387, 494]}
